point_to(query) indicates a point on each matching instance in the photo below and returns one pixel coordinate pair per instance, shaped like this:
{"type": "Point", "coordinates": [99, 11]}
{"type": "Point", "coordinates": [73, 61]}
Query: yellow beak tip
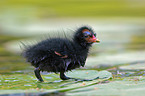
{"type": "Point", "coordinates": [97, 41]}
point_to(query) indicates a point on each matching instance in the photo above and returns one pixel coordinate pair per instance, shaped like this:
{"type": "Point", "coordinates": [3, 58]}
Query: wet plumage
{"type": "Point", "coordinates": [61, 54]}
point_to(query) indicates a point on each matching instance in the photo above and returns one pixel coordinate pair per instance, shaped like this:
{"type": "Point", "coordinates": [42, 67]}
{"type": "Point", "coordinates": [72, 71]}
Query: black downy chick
{"type": "Point", "coordinates": [61, 54]}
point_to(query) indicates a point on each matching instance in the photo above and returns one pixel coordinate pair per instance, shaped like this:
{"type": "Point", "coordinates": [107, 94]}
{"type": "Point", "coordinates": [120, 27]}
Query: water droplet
{"type": "Point", "coordinates": [57, 81]}
{"type": "Point", "coordinates": [27, 85]}
{"type": "Point", "coordinates": [7, 80]}
{"type": "Point", "coordinates": [48, 77]}
{"type": "Point", "coordinates": [15, 80]}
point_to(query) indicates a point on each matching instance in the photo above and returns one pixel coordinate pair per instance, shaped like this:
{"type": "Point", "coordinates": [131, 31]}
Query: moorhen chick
{"type": "Point", "coordinates": [61, 54]}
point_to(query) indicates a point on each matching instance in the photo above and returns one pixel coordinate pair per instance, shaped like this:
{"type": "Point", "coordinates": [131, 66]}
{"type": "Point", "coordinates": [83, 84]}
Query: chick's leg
{"type": "Point", "coordinates": [37, 74]}
{"type": "Point", "coordinates": [63, 76]}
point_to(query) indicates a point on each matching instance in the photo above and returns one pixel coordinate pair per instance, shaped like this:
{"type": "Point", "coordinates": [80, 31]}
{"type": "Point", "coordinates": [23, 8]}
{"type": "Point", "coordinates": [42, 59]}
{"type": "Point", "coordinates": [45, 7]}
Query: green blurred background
{"type": "Point", "coordinates": [45, 9]}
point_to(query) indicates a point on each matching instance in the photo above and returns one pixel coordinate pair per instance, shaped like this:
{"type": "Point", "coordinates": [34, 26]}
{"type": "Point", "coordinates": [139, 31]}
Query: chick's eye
{"type": "Point", "coordinates": [86, 36]}
{"type": "Point", "coordinates": [95, 34]}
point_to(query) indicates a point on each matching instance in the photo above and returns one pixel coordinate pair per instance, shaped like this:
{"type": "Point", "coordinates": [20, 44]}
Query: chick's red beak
{"type": "Point", "coordinates": [94, 39]}
{"type": "Point", "coordinates": [98, 41]}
